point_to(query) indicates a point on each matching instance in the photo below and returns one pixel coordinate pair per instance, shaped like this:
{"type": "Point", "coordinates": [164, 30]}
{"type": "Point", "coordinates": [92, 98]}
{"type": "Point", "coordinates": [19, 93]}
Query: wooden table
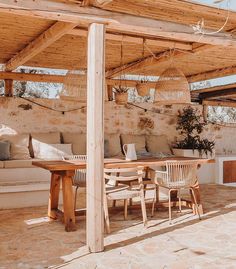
{"type": "Point", "coordinates": [63, 171]}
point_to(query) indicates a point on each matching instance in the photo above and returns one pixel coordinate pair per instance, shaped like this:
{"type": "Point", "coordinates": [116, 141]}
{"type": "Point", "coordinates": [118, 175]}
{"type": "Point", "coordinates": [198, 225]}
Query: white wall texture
{"type": "Point", "coordinates": [20, 116]}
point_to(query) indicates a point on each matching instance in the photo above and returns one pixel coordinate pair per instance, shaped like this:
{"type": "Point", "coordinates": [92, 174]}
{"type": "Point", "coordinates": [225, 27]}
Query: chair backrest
{"type": "Point", "coordinates": [80, 174]}
{"type": "Point", "coordinates": [181, 173]}
{"type": "Point", "coordinates": [112, 175]}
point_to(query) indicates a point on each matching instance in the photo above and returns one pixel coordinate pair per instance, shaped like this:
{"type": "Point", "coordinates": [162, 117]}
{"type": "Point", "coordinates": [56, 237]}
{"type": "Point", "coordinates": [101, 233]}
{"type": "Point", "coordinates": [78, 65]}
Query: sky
{"type": "Point", "coordinates": [232, 3]}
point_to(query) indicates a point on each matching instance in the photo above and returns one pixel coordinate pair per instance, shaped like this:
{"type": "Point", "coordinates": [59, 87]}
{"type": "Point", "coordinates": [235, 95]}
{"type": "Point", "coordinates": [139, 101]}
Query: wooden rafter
{"type": "Point", "coordinates": [138, 40]}
{"type": "Point", "coordinates": [219, 103]}
{"type": "Point", "coordinates": [151, 60]}
{"type": "Point", "coordinates": [226, 71]}
{"type": "Point", "coordinates": [215, 88]}
{"type": "Point", "coordinates": [55, 32]}
{"type": "Point", "coordinates": [115, 21]}
{"type": "Point", "coordinates": [217, 94]}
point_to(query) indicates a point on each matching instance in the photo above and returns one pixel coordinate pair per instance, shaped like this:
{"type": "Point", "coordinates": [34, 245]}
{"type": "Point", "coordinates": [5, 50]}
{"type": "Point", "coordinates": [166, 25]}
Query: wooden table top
{"type": "Point", "coordinates": [67, 165]}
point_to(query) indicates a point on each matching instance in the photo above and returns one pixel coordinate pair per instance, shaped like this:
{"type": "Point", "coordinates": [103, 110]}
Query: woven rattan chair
{"type": "Point", "coordinates": [79, 179]}
{"type": "Point", "coordinates": [178, 175]}
{"type": "Point", "coordinates": [114, 191]}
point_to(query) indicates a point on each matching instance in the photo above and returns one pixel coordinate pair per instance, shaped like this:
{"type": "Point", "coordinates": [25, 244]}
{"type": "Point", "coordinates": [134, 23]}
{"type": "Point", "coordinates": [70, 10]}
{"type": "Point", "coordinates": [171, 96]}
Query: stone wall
{"type": "Point", "coordinates": [21, 116]}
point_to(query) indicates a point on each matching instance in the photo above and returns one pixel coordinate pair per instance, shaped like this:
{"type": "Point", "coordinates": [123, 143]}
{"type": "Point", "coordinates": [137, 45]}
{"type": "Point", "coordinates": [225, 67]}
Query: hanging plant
{"type": "Point", "coordinates": [143, 87]}
{"type": "Point", "coordinates": [121, 94]}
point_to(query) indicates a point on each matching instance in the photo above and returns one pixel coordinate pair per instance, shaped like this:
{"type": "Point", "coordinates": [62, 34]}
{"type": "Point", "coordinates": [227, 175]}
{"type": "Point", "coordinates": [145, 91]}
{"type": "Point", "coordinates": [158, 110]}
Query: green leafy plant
{"type": "Point", "coordinates": [190, 125]}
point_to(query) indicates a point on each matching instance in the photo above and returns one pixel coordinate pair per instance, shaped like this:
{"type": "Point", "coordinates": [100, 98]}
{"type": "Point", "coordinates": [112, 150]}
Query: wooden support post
{"type": "Point", "coordinates": [8, 87]}
{"type": "Point", "coordinates": [110, 92]}
{"type": "Point", "coordinates": [95, 137]}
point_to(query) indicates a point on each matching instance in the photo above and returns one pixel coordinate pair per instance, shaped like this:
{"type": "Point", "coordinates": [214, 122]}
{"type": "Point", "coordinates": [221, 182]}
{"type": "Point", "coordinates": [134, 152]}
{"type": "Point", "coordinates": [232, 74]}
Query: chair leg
{"type": "Point", "coordinates": [169, 197]}
{"type": "Point", "coordinates": [196, 204]}
{"type": "Point", "coordinates": [180, 207]}
{"type": "Point", "coordinates": [106, 215]}
{"type": "Point", "coordinates": [76, 189]}
{"type": "Point", "coordinates": [125, 209]}
{"type": "Point", "coordinates": [143, 206]}
{"type": "Point", "coordinates": [154, 201]}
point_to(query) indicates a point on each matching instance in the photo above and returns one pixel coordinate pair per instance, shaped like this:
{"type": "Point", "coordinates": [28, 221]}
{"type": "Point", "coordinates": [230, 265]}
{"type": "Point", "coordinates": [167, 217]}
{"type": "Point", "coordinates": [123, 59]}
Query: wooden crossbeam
{"type": "Point", "coordinates": [138, 40]}
{"type": "Point", "coordinates": [151, 60]}
{"type": "Point", "coordinates": [219, 103]}
{"type": "Point", "coordinates": [60, 79]}
{"type": "Point", "coordinates": [55, 32]}
{"type": "Point", "coordinates": [215, 88]}
{"type": "Point", "coordinates": [216, 94]}
{"type": "Point", "coordinates": [117, 22]}
{"type": "Point", "coordinates": [223, 72]}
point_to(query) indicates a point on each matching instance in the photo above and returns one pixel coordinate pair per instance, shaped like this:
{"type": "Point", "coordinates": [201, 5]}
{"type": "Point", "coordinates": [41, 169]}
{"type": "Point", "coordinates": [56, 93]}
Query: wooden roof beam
{"type": "Point", "coordinates": [60, 79]}
{"type": "Point", "coordinates": [216, 94]}
{"type": "Point", "coordinates": [215, 88]}
{"type": "Point", "coordinates": [219, 103]}
{"type": "Point", "coordinates": [55, 32]}
{"type": "Point", "coordinates": [138, 40]}
{"type": "Point", "coordinates": [151, 60]}
{"type": "Point", "coordinates": [223, 72]}
{"type": "Point", "coordinates": [118, 22]}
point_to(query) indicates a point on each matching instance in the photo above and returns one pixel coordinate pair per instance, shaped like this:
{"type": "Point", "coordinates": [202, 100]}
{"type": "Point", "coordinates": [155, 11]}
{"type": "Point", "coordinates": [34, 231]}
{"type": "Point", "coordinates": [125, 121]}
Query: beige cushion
{"type": "Point", "coordinates": [78, 142]}
{"type": "Point", "coordinates": [48, 138]}
{"type": "Point", "coordinates": [1, 164]}
{"type": "Point", "coordinates": [138, 140]}
{"type": "Point", "coordinates": [19, 149]}
{"type": "Point", "coordinates": [158, 143]}
{"type": "Point", "coordinates": [18, 164]}
{"type": "Point", "coordinates": [114, 146]}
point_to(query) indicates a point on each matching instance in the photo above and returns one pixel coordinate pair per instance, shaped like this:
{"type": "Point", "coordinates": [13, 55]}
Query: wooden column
{"type": "Point", "coordinates": [95, 136]}
{"type": "Point", "coordinates": [110, 92]}
{"type": "Point", "coordinates": [8, 87]}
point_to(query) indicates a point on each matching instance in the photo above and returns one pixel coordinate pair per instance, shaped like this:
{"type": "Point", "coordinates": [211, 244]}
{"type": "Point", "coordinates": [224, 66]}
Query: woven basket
{"type": "Point", "coordinates": [121, 98]}
{"type": "Point", "coordinates": [75, 87]}
{"type": "Point", "coordinates": [143, 89]}
{"type": "Point", "coordinates": [172, 87]}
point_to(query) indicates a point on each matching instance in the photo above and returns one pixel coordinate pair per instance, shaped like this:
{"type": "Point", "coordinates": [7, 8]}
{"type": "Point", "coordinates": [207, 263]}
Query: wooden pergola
{"type": "Point", "coordinates": [87, 35]}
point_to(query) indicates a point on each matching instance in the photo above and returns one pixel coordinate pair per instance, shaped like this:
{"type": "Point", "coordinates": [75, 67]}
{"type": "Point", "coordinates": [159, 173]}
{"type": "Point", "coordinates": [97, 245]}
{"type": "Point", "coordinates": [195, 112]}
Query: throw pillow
{"type": "Point", "coordinates": [78, 142]}
{"type": "Point", "coordinates": [19, 148]}
{"type": "Point", "coordinates": [53, 151]}
{"type": "Point", "coordinates": [157, 144]}
{"type": "Point", "coordinates": [4, 150]}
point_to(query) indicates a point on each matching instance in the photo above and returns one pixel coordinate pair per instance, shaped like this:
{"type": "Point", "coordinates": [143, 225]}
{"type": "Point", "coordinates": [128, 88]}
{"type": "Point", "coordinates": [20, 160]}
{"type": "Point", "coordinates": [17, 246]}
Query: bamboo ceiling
{"type": "Point", "coordinates": [69, 51]}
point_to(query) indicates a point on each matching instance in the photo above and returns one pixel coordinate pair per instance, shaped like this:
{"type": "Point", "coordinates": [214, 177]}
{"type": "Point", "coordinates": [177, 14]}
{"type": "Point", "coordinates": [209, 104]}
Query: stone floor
{"type": "Point", "coordinates": [187, 243]}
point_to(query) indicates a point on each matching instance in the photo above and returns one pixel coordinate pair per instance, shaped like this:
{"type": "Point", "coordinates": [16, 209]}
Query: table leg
{"type": "Point", "coordinates": [68, 203]}
{"type": "Point", "coordinates": [54, 195]}
{"type": "Point", "coordinates": [196, 190]}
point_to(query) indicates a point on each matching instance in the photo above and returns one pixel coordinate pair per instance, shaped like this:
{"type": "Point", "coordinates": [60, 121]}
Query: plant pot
{"type": "Point", "coordinates": [191, 153]}
{"type": "Point", "coordinates": [143, 89]}
{"type": "Point", "coordinates": [121, 98]}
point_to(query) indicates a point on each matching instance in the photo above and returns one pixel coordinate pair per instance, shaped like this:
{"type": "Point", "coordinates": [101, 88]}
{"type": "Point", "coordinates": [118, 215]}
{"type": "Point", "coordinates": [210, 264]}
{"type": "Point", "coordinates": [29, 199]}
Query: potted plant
{"type": "Point", "coordinates": [142, 87]}
{"type": "Point", "coordinates": [190, 125]}
{"type": "Point", "coordinates": [121, 94]}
